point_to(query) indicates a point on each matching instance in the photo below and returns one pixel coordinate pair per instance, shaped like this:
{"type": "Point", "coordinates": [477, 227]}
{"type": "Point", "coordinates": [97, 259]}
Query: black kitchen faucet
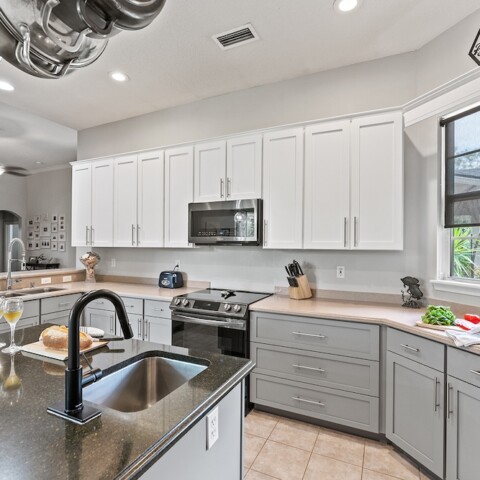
{"type": "Point", "coordinates": [73, 408]}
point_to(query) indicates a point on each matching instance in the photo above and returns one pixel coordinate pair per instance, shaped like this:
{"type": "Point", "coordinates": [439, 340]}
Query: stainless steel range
{"type": "Point", "coordinates": [214, 320]}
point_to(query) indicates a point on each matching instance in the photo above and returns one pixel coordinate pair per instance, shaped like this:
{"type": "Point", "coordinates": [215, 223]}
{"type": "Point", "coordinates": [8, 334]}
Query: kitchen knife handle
{"type": "Point", "coordinates": [345, 232]}
{"type": "Point", "coordinates": [133, 234]}
{"type": "Point", "coordinates": [221, 188]}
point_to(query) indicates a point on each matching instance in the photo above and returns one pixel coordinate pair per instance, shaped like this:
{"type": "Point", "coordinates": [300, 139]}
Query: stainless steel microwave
{"type": "Point", "coordinates": [233, 222]}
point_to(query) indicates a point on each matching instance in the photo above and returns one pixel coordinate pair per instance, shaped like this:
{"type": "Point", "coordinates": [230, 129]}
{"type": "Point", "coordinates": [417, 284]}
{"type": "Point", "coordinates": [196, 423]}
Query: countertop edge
{"type": "Point", "coordinates": [143, 463]}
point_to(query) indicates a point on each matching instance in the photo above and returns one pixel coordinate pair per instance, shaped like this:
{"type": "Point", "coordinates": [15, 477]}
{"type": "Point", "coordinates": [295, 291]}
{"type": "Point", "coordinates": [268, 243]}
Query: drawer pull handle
{"type": "Point", "coordinates": [436, 405]}
{"type": "Point", "coordinates": [99, 303]}
{"type": "Point", "coordinates": [304, 400]}
{"type": "Point", "coordinates": [65, 304]}
{"type": "Point", "coordinates": [309, 368]}
{"type": "Point", "coordinates": [158, 309]}
{"type": "Point", "coordinates": [475, 372]}
{"type": "Point", "coordinates": [316, 335]}
{"type": "Point", "coordinates": [408, 347]}
{"type": "Point", "coordinates": [449, 401]}
{"type": "Point", "coordinates": [129, 306]}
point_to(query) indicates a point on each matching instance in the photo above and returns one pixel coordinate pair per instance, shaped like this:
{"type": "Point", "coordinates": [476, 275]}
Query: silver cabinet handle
{"type": "Point", "coordinates": [408, 347]}
{"type": "Point", "coordinates": [354, 231]}
{"type": "Point", "coordinates": [148, 329]}
{"type": "Point", "coordinates": [436, 405]}
{"type": "Point", "coordinates": [98, 302]}
{"type": "Point", "coordinates": [316, 335]}
{"type": "Point", "coordinates": [86, 234]}
{"type": "Point", "coordinates": [112, 331]}
{"type": "Point", "coordinates": [304, 400]}
{"type": "Point", "coordinates": [221, 188]}
{"type": "Point", "coordinates": [449, 401]}
{"type": "Point", "coordinates": [229, 184]}
{"type": "Point", "coordinates": [133, 234]}
{"type": "Point", "coordinates": [140, 333]}
{"type": "Point", "coordinates": [92, 236]}
{"type": "Point", "coordinates": [315, 369]}
{"type": "Point", "coordinates": [64, 304]}
{"type": "Point", "coordinates": [345, 232]}
{"type": "Point", "coordinates": [138, 234]}
{"type": "Point", "coordinates": [265, 224]}
{"type": "Point", "coordinates": [475, 372]}
{"type": "Point", "coordinates": [129, 306]}
{"type": "Point", "coordinates": [158, 310]}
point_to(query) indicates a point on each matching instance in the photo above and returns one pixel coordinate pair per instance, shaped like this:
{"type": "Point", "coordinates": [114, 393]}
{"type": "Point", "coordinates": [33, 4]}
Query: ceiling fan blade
{"type": "Point", "coordinates": [17, 174]}
{"type": "Point", "coordinates": [12, 167]}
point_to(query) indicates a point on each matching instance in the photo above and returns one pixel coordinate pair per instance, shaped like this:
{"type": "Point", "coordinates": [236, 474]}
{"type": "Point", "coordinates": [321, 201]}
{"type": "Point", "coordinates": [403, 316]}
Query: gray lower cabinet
{"type": "Point", "coordinates": [57, 309]}
{"type": "Point", "coordinates": [323, 369]}
{"type": "Point", "coordinates": [415, 410]}
{"type": "Point", "coordinates": [158, 330]}
{"type": "Point", "coordinates": [223, 461]}
{"type": "Point", "coordinates": [98, 318]}
{"type": "Point", "coordinates": [30, 317]}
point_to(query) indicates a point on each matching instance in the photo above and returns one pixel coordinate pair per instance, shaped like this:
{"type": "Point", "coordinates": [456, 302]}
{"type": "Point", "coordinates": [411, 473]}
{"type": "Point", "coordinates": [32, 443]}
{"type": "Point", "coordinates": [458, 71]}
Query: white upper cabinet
{"type": "Point", "coordinates": [327, 186]}
{"type": "Point", "coordinates": [210, 172]}
{"type": "Point", "coordinates": [229, 170]}
{"type": "Point", "coordinates": [244, 168]}
{"type": "Point", "coordinates": [138, 200]}
{"type": "Point", "coordinates": [377, 182]}
{"type": "Point", "coordinates": [81, 204]}
{"type": "Point", "coordinates": [178, 194]}
{"type": "Point", "coordinates": [92, 204]}
{"type": "Point", "coordinates": [283, 188]}
{"type": "Point", "coordinates": [150, 228]}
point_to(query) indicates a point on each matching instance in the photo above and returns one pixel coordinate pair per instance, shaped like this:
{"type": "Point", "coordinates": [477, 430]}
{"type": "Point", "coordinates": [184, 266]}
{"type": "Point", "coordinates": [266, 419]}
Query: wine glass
{"type": "Point", "coordinates": [12, 311]}
{"type": "Point", "coordinates": [2, 299]}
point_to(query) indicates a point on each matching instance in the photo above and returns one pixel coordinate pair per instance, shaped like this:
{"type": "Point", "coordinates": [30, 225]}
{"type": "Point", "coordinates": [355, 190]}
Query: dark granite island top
{"type": "Point", "coordinates": [37, 445]}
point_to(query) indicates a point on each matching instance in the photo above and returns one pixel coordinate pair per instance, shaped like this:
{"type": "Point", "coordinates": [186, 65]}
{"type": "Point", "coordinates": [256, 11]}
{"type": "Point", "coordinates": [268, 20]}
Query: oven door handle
{"type": "Point", "coordinates": [214, 323]}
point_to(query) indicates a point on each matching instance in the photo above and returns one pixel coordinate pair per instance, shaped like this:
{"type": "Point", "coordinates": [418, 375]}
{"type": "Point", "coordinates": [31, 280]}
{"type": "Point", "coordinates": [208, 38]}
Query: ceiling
{"type": "Point", "coordinates": [175, 61]}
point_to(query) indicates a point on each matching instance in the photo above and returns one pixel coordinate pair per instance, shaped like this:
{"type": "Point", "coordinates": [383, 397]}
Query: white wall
{"type": "Point", "coordinates": [51, 192]}
{"type": "Point", "coordinates": [382, 83]}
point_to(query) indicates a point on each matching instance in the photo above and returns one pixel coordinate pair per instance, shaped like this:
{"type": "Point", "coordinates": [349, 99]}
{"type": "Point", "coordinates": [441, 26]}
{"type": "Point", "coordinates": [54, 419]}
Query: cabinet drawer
{"type": "Point", "coordinates": [57, 318]}
{"type": "Point", "coordinates": [420, 349]}
{"type": "Point", "coordinates": [31, 308]}
{"type": "Point", "coordinates": [24, 322]}
{"type": "Point", "coordinates": [330, 336]}
{"type": "Point", "coordinates": [133, 305]}
{"type": "Point", "coordinates": [345, 408]}
{"type": "Point", "coordinates": [157, 308]}
{"type": "Point", "coordinates": [57, 304]}
{"type": "Point", "coordinates": [463, 365]}
{"type": "Point", "coordinates": [102, 304]}
{"type": "Point", "coordinates": [353, 375]}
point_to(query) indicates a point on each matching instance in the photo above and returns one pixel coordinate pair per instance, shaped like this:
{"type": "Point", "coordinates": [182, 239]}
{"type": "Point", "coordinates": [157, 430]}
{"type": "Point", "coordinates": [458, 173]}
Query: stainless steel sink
{"type": "Point", "coordinates": [29, 291]}
{"type": "Point", "coordinates": [141, 384]}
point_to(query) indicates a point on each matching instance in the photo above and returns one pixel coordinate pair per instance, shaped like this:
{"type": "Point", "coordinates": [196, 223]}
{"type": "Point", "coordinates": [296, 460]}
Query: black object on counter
{"type": "Point", "coordinates": [73, 408]}
{"type": "Point", "coordinates": [170, 279]}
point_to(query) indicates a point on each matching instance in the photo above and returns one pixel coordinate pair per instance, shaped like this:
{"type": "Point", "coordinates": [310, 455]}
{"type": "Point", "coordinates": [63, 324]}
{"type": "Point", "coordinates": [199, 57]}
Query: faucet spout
{"type": "Point", "coordinates": [73, 409]}
{"type": "Point", "coordinates": [10, 260]}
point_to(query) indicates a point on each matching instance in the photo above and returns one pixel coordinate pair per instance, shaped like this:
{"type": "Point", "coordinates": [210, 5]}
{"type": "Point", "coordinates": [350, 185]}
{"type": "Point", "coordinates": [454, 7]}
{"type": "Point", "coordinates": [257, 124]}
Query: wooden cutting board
{"type": "Point", "coordinates": [439, 327]}
{"type": "Point", "coordinates": [39, 349]}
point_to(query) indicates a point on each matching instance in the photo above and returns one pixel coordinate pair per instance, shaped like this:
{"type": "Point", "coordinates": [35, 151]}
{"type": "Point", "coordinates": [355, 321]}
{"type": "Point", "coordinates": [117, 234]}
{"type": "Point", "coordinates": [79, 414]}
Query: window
{"type": "Point", "coordinates": [462, 192]}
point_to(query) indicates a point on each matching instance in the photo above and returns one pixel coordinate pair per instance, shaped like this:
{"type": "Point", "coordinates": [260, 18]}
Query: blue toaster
{"type": "Point", "coordinates": [170, 279]}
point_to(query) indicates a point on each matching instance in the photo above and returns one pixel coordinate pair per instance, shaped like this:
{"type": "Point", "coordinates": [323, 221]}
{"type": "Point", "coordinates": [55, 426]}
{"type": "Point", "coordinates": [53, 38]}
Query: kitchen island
{"type": "Point", "coordinates": [117, 444]}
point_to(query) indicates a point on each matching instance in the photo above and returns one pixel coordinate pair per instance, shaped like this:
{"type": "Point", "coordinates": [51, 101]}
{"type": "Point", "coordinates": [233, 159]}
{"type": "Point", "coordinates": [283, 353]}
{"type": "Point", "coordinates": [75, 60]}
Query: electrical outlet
{"type": "Point", "coordinates": [212, 428]}
{"type": "Point", "coordinates": [340, 272]}
{"type": "Point", "coordinates": [177, 264]}
{"type": "Point", "coordinates": [46, 280]}
{"type": "Point", "coordinates": [67, 278]}
{"type": "Point", "coordinates": [113, 262]}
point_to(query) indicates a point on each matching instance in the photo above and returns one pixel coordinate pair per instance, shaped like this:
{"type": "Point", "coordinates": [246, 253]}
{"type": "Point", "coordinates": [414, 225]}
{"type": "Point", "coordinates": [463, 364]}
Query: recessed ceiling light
{"type": "Point", "coordinates": [119, 76]}
{"type": "Point", "coordinates": [346, 6]}
{"type": "Point", "coordinates": [8, 87]}
{"type": "Point", "coordinates": [38, 162]}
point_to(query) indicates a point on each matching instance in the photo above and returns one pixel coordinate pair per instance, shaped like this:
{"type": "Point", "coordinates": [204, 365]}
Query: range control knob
{"type": "Point", "coordinates": [185, 302]}
{"type": "Point", "coordinates": [227, 307]}
{"type": "Point", "coordinates": [176, 301]}
{"type": "Point", "coordinates": [237, 308]}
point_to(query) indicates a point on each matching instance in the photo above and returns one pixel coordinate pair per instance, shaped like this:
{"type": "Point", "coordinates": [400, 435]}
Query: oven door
{"type": "Point", "coordinates": [210, 334]}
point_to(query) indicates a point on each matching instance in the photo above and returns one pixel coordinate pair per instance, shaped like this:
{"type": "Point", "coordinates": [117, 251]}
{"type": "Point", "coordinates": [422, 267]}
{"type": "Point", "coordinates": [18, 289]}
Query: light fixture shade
{"type": "Point", "coordinates": [474, 52]}
{"type": "Point", "coordinates": [119, 76]}
{"type": "Point", "coordinates": [346, 6]}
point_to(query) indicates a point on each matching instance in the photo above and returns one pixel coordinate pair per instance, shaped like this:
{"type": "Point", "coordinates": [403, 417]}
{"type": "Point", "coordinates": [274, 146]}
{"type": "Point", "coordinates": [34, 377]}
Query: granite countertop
{"type": "Point", "coordinates": [378, 313]}
{"type": "Point", "coordinates": [38, 445]}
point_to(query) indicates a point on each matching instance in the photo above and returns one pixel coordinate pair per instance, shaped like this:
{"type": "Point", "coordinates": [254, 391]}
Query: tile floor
{"type": "Point", "coordinates": [283, 449]}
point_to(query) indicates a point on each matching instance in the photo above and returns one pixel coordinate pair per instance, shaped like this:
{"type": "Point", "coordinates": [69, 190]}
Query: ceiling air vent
{"type": "Point", "coordinates": [236, 37]}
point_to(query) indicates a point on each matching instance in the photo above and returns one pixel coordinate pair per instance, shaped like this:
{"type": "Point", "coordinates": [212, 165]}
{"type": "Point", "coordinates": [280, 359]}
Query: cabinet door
{"type": "Point", "coordinates": [102, 204]}
{"type": "Point", "coordinates": [414, 410]}
{"type": "Point", "coordinates": [209, 172]}
{"type": "Point", "coordinates": [244, 168]}
{"type": "Point", "coordinates": [463, 425]}
{"type": "Point", "coordinates": [81, 204]}
{"type": "Point", "coordinates": [102, 319]}
{"type": "Point", "coordinates": [178, 194]}
{"type": "Point", "coordinates": [158, 330]}
{"type": "Point", "coordinates": [125, 202]}
{"type": "Point", "coordinates": [283, 188]}
{"type": "Point", "coordinates": [150, 199]}
{"type": "Point", "coordinates": [377, 182]}
{"type": "Point", "coordinates": [327, 185]}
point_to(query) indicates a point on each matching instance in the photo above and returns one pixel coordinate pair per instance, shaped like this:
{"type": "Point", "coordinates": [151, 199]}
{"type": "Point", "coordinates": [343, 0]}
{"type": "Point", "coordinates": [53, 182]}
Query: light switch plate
{"type": "Point", "coordinates": [212, 428]}
{"type": "Point", "coordinates": [67, 278]}
{"type": "Point", "coordinates": [46, 280]}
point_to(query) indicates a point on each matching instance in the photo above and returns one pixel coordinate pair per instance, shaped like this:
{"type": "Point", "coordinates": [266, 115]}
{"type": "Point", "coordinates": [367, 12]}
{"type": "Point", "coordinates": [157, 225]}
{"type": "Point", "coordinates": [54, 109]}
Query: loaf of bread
{"type": "Point", "coordinates": [57, 337]}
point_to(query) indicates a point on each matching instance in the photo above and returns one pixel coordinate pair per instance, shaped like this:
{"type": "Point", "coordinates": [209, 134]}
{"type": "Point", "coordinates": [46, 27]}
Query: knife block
{"type": "Point", "coordinates": [303, 289]}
